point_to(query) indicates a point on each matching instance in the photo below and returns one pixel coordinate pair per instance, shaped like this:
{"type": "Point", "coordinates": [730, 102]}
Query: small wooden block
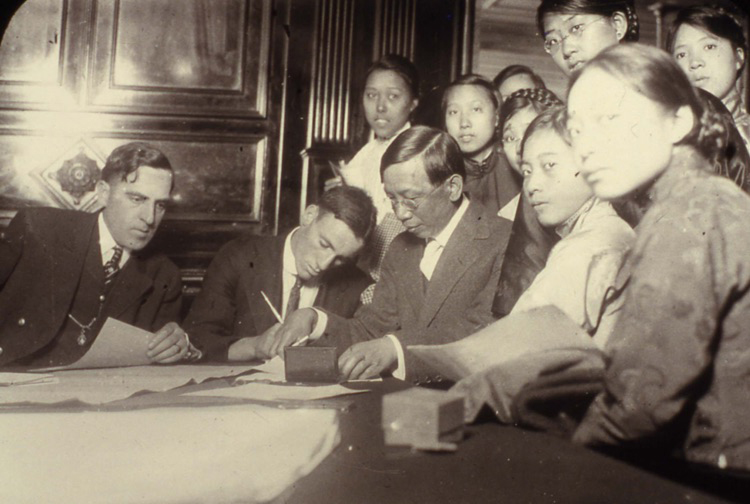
{"type": "Point", "coordinates": [423, 418]}
{"type": "Point", "coordinates": [311, 364]}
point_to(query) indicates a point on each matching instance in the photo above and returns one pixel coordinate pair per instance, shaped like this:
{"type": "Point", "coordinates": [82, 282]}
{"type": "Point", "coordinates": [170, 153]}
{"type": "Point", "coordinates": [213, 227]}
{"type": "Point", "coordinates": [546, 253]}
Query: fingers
{"type": "Point", "coordinates": [157, 347]}
{"type": "Point", "coordinates": [282, 338]}
{"type": "Point", "coordinates": [266, 341]}
{"type": "Point", "coordinates": [177, 354]}
{"type": "Point", "coordinates": [347, 361]}
{"type": "Point", "coordinates": [172, 353]}
{"type": "Point", "coordinates": [359, 371]}
{"type": "Point", "coordinates": [168, 344]}
{"type": "Point", "coordinates": [162, 334]}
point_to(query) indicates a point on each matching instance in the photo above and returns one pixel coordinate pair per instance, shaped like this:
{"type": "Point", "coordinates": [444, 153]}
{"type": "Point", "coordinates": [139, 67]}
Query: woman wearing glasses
{"type": "Point", "coordinates": [574, 31]}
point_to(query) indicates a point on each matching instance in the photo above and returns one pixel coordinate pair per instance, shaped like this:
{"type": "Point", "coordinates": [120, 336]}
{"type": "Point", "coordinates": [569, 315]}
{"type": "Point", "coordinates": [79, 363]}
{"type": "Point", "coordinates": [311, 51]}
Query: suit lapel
{"type": "Point", "coordinates": [463, 249]}
{"type": "Point", "coordinates": [131, 284]}
{"type": "Point", "coordinates": [66, 260]}
{"type": "Point", "coordinates": [411, 277]}
{"type": "Point", "coordinates": [265, 274]}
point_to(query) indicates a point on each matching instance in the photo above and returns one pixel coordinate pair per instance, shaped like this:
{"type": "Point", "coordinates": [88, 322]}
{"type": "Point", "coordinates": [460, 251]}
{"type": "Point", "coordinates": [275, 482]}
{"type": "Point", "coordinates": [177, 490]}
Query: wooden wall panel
{"type": "Point", "coordinates": [347, 36]}
{"type": "Point", "coordinates": [215, 109]}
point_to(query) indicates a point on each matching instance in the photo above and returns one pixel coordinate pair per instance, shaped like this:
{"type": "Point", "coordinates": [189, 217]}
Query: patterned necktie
{"type": "Point", "coordinates": [112, 267]}
{"type": "Point", "coordinates": [293, 303]}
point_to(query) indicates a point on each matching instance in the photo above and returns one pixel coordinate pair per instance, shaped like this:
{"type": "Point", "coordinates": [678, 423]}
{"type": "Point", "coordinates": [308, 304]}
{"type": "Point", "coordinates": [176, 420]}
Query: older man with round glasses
{"type": "Point", "coordinates": [438, 278]}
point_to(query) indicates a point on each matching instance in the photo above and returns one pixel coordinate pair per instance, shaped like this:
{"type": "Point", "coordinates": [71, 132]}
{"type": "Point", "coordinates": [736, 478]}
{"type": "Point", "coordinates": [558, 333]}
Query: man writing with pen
{"type": "Point", "coordinates": [256, 281]}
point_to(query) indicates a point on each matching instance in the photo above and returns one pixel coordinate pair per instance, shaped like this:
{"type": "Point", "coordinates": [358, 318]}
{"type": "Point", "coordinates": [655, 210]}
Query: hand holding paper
{"type": "Point", "coordinates": [169, 344]}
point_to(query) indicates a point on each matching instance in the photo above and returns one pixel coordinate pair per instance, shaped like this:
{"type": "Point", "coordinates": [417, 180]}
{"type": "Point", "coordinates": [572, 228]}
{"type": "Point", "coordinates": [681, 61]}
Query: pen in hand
{"type": "Point", "coordinates": [276, 314]}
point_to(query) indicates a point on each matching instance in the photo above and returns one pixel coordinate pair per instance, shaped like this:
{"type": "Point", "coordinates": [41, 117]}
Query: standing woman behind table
{"type": "Point", "coordinates": [390, 95]}
{"type": "Point", "coordinates": [470, 107]}
{"type": "Point", "coordinates": [679, 355]}
{"type": "Point", "coordinates": [709, 45]}
{"type": "Point", "coordinates": [530, 243]}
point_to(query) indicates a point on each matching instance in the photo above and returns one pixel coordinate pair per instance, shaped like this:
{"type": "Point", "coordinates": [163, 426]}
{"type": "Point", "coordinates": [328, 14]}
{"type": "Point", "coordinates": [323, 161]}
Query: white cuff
{"type": "Point", "coordinates": [400, 371]}
{"type": "Point", "coordinates": [192, 354]}
{"type": "Point", "coordinates": [320, 325]}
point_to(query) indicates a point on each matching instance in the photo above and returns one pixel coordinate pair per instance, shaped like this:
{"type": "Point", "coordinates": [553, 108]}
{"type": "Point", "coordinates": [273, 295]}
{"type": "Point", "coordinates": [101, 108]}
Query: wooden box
{"type": "Point", "coordinates": [311, 364]}
{"type": "Point", "coordinates": [423, 418]}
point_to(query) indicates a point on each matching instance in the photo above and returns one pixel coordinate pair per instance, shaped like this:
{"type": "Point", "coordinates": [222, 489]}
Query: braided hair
{"type": "Point", "coordinates": [606, 8]}
{"type": "Point", "coordinates": [538, 99]}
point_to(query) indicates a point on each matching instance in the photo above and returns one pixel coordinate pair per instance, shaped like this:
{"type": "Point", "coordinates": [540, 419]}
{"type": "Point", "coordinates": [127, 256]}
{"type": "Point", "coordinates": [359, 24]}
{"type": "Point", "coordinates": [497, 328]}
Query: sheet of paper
{"type": "Point", "coordinates": [98, 386]}
{"type": "Point", "coordinates": [117, 345]}
{"type": "Point", "coordinates": [11, 379]}
{"type": "Point", "coordinates": [270, 392]}
{"type": "Point", "coordinates": [243, 453]}
{"type": "Point", "coordinates": [271, 370]}
{"type": "Point", "coordinates": [515, 335]}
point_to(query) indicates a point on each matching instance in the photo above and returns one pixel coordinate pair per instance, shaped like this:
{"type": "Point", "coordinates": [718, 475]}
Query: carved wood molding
{"type": "Point", "coordinates": [330, 88]}
{"type": "Point", "coordinates": [394, 28]}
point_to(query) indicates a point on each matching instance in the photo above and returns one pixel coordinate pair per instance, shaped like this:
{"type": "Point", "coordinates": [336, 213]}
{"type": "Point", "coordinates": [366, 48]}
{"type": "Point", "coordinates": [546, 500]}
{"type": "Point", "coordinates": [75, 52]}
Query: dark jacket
{"type": "Point", "coordinates": [230, 305]}
{"type": "Point", "coordinates": [41, 259]}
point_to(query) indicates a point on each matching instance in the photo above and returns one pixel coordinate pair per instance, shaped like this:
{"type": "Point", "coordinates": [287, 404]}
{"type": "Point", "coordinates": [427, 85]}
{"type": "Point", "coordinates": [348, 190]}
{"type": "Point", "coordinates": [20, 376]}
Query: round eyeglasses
{"type": "Point", "coordinates": [552, 43]}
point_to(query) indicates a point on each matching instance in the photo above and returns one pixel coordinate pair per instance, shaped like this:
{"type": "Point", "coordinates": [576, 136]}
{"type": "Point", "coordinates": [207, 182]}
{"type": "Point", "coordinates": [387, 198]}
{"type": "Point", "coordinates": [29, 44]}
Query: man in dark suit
{"type": "Point", "coordinates": [438, 278]}
{"type": "Point", "coordinates": [231, 319]}
{"type": "Point", "coordinates": [64, 272]}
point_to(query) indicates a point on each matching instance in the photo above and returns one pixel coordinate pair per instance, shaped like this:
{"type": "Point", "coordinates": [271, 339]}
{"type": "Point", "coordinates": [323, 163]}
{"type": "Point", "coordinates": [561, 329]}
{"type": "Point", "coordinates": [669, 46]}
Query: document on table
{"type": "Point", "coordinates": [513, 336]}
{"type": "Point", "coordinates": [240, 453]}
{"type": "Point", "coordinates": [271, 392]}
{"type": "Point", "coordinates": [103, 385]}
{"type": "Point", "coordinates": [14, 379]}
{"type": "Point", "coordinates": [117, 345]}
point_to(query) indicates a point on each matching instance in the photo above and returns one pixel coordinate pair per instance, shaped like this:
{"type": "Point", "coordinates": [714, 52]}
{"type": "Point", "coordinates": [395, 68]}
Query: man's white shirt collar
{"type": "Point", "coordinates": [443, 236]}
{"type": "Point", "coordinates": [107, 243]}
{"type": "Point", "coordinates": [288, 263]}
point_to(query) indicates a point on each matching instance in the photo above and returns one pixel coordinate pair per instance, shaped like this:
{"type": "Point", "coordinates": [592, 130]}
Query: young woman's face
{"type": "Point", "coordinates": [388, 101]}
{"type": "Point", "coordinates": [574, 39]}
{"type": "Point", "coordinates": [709, 61]}
{"type": "Point", "coordinates": [513, 131]}
{"type": "Point", "coordinates": [622, 139]}
{"type": "Point", "coordinates": [471, 119]}
{"type": "Point", "coordinates": [551, 178]}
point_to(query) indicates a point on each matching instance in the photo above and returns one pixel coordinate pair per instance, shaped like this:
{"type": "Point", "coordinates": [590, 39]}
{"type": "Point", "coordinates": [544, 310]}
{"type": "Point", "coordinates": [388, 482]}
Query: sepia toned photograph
{"type": "Point", "coordinates": [374, 251]}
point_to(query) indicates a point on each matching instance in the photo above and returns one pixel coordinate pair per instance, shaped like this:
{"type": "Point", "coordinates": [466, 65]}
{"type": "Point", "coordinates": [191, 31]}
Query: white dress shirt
{"type": "Point", "coordinates": [307, 293]}
{"type": "Point", "coordinates": [363, 171]}
{"type": "Point", "coordinates": [107, 244]}
{"type": "Point", "coordinates": [309, 290]}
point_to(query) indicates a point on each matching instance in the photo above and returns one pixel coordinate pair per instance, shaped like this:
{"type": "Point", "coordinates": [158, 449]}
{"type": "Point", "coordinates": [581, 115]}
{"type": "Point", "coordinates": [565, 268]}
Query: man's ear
{"type": "Point", "coordinates": [309, 215]}
{"type": "Point", "coordinates": [455, 187]}
{"type": "Point", "coordinates": [102, 193]}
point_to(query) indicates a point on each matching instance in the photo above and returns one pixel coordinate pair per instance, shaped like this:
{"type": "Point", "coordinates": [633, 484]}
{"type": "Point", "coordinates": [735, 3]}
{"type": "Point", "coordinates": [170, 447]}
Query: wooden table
{"type": "Point", "coordinates": [493, 463]}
